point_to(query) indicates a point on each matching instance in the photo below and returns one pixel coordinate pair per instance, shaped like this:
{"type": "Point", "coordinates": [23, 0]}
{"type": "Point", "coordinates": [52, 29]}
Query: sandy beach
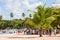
{"type": "Point", "coordinates": [27, 37]}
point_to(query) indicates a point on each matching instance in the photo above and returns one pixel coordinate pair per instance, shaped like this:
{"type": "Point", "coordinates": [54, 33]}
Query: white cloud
{"type": "Point", "coordinates": [56, 5]}
{"type": "Point", "coordinates": [31, 6]}
{"type": "Point", "coordinates": [35, 5]}
{"type": "Point", "coordinates": [13, 6]}
{"type": "Point", "coordinates": [58, 1]}
{"type": "Point", "coordinates": [16, 6]}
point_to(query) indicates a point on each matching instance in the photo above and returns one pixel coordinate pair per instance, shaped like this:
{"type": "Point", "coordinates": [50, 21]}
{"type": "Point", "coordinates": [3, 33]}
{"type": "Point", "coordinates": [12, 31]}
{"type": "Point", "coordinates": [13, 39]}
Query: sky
{"type": "Point", "coordinates": [17, 7]}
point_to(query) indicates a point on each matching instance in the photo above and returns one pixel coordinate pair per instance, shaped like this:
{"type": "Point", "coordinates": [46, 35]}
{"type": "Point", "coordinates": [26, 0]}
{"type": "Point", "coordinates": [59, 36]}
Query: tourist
{"type": "Point", "coordinates": [55, 30]}
{"type": "Point", "coordinates": [50, 31]}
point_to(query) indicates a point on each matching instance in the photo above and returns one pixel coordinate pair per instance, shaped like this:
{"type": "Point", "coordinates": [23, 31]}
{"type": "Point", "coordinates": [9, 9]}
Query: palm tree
{"type": "Point", "coordinates": [23, 14]}
{"type": "Point", "coordinates": [11, 15]}
{"type": "Point", "coordinates": [30, 15]}
{"type": "Point", "coordinates": [0, 17]}
{"type": "Point", "coordinates": [42, 17]}
{"type": "Point", "coordinates": [23, 23]}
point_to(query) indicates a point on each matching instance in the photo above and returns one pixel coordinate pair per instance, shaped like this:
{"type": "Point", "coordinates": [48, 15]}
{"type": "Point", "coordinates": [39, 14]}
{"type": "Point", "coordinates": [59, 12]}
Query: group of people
{"type": "Point", "coordinates": [54, 30]}
{"type": "Point", "coordinates": [49, 31]}
{"type": "Point", "coordinates": [36, 31]}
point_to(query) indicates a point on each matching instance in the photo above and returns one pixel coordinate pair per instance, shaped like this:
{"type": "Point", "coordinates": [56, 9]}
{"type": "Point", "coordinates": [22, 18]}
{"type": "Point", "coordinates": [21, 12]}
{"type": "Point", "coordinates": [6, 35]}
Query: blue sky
{"type": "Point", "coordinates": [20, 6]}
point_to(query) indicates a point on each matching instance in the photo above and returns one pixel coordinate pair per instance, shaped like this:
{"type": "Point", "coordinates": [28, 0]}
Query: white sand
{"type": "Point", "coordinates": [27, 37]}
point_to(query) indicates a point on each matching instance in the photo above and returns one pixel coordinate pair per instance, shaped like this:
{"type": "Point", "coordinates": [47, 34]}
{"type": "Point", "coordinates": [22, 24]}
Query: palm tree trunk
{"type": "Point", "coordinates": [41, 31]}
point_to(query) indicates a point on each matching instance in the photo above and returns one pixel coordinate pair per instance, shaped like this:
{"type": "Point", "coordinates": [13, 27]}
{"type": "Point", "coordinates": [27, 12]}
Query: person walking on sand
{"type": "Point", "coordinates": [50, 31]}
{"type": "Point", "coordinates": [55, 30]}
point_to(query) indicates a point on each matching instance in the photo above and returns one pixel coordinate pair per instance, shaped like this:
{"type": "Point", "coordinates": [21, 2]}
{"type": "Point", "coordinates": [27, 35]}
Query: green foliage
{"type": "Point", "coordinates": [42, 17]}
{"type": "Point", "coordinates": [45, 16]}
